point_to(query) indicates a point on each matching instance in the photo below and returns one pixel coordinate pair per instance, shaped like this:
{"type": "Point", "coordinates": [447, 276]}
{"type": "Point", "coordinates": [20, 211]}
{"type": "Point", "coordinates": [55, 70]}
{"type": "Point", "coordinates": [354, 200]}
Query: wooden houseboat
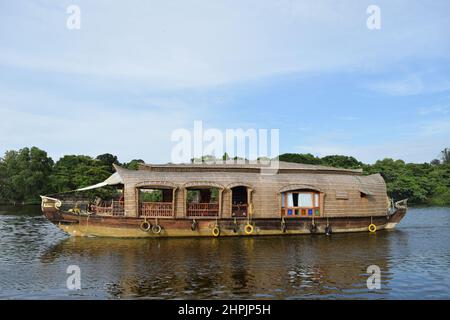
{"type": "Point", "coordinates": [231, 199]}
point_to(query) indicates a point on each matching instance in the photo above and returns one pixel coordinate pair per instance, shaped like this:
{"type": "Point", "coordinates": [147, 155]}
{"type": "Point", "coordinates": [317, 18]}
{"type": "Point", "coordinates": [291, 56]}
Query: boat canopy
{"type": "Point", "coordinates": [113, 180]}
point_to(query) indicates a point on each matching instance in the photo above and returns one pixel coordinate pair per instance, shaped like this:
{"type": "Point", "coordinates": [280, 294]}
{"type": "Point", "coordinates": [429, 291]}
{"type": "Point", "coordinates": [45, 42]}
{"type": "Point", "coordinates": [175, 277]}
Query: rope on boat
{"type": "Point", "coordinates": [328, 230]}
{"type": "Point", "coordinates": [283, 225]}
{"type": "Point", "coordinates": [194, 225]}
{"type": "Point", "coordinates": [248, 229]}
{"type": "Point", "coordinates": [313, 227]}
{"type": "Point", "coordinates": [235, 227]}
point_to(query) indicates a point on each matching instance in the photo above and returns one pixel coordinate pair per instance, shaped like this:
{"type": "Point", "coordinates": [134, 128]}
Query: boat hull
{"type": "Point", "coordinates": [130, 227]}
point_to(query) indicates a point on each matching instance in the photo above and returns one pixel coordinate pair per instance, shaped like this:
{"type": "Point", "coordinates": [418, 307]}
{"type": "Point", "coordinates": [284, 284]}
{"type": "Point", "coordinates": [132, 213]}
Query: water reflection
{"type": "Point", "coordinates": [271, 267]}
{"type": "Point", "coordinates": [414, 261]}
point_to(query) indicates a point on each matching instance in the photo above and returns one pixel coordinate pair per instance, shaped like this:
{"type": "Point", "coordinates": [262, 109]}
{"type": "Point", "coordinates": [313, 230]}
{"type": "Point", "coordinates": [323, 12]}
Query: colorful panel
{"type": "Point", "coordinates": [290, 212]}
{"type": "Point", "coordinates": [317, 213]}
{"type": "Point", "coordinates": [310, 212]}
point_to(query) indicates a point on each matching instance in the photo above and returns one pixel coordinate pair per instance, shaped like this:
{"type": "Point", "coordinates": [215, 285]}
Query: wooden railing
{"type": "Point", "coordinates": [156, 209]}
{"type": "Point", "coordinates": [116, 208]}
{"type": "Point", "coordinates": [239, 210]}
{"type": "Point", "coordinates": [203, 209]}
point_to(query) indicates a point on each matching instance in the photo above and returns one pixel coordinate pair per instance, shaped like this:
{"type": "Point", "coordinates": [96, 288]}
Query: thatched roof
{"type": "Point", "coordinates": [235, 166]}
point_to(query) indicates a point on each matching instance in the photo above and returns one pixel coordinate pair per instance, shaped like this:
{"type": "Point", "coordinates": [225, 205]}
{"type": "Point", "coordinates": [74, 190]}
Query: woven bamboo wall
{"type": "Point", "coordinates": [332, 183]}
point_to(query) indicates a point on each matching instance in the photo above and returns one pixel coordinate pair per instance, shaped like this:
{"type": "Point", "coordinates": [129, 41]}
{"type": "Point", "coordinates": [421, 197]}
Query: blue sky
{"type": "Point", "coordinates": [136, 71]}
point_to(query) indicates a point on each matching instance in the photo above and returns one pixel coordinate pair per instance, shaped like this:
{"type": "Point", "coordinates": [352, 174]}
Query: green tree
{"type": "Point", "coordinates": [341, 162]}
{"type": "Point", "coordinates": [29, 172]}
{"type": "Point", "coordinates": [300, 158]}
{"type": "Point", "coordinates": [4, 192]}
{"type": "Point", "coordinates": [24, 175]}
{"type": "Point", "coordinates": [108, 160]}
{"type": "Point", "coordinates": [76, 171]}
{"type": "Point", "coordinates": [436, 162]}
{"type": "Point", "coordinates": [133, 164]}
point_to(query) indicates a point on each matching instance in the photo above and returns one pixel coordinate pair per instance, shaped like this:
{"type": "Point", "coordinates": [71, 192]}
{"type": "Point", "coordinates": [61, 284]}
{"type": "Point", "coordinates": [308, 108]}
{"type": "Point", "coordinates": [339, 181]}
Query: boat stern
{"type": "Point", "coordinates": [51, 208]}
{"type": "Point", "coordinates": [399, 210]}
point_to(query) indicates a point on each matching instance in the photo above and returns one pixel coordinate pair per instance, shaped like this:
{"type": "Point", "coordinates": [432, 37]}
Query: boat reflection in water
{"type": "Point", "coordinates": [266, 267]}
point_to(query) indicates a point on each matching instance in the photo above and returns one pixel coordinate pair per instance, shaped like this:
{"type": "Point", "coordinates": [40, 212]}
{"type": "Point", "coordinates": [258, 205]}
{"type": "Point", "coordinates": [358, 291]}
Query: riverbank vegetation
{"type": "Point", "coordinates": [29, 172]}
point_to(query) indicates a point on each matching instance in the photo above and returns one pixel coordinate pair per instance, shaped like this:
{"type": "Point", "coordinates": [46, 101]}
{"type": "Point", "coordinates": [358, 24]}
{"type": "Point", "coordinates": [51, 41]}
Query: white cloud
{"type": "Point", "coordinates": [152, 51]}
{"type": "Point", "coordinates": [89, 127]}
{"type": "Point", "coordinates": [205, 43]}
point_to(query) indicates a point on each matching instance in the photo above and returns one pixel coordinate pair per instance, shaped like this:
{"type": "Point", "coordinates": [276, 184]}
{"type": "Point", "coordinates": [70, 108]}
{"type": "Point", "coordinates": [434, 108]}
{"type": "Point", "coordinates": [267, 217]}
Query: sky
{"type": "Point", "coordinates": [136, 71]}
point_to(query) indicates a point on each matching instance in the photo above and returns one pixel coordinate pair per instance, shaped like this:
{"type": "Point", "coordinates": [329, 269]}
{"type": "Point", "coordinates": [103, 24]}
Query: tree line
{"type": "Point", "coordinates": [421, 183]}
{"type": "Point", "coordinates": [29, 172]}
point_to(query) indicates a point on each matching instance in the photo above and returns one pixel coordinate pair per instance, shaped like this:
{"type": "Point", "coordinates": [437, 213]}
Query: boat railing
{"type": "Point", "coordinates": [239, 210]}
{"type": "Point", "coordinates": [111, 208]}
{"type": "Point", "coordinates": [202, 209]}
{"type": "Point", "coordinates": [156, 209]}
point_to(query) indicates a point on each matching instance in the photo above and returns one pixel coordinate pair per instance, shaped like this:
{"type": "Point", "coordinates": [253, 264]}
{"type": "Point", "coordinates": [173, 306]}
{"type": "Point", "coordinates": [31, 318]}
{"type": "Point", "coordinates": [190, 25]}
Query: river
{"type": "Point", "coordinates": [414, 261]}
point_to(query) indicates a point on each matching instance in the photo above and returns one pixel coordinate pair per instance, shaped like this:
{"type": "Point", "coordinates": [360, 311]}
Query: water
{"type": "Point", "coordinates": [414, 261]}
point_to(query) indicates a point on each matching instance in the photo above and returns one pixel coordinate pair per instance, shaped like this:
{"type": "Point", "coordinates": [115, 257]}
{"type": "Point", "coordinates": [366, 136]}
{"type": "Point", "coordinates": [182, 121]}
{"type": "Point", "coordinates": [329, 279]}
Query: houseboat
{"type": "Point", "coordinates": [230, 199]}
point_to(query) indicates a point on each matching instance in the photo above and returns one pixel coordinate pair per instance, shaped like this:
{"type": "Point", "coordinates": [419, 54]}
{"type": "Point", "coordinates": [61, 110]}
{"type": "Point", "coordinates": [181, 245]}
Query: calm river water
{"type": "Point", "coordinates": [414, 261]}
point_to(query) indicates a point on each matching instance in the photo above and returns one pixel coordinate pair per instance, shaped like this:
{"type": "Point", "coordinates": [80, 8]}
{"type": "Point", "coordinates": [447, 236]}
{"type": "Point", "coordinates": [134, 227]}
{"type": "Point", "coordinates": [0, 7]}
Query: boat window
{"type": "Point", "coordinates": [239, 202]}
{"type": "Point", "coordinates": [290, 201]}
{"type": "Point", "coordinates": [202, 202]}
{"type": "Point", "coordinates": [305, 200]}
{"type": "Point", "coordinates": [295, 199]}
{"type": "Point", "coordinates": [156, 202]}
{"type": "Point", "coordinates": [202, 195]}
{"type": "Point", "coordinates": [300, 203]}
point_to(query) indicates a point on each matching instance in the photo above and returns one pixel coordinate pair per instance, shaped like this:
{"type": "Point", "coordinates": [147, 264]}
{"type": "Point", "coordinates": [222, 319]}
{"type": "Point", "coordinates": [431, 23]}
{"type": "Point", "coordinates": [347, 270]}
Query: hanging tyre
{"type": "Point", "coordinates": [216, 231]}
{"type": "Point", "coordinates": [145, 226]}
{"type": "Point", "coordinates": [156, 229]}
{"type": "Point", "coordinates": [248, 229]}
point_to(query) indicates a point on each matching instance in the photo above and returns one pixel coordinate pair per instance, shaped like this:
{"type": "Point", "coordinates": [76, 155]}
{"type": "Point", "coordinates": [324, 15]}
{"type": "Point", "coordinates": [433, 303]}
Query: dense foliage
{"type": "Point", "coordinates": [24, 174]}
{"type": "Point", "coordinates": [30, 172]}
{"type": "Point", "coordinates": [426, 183]}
